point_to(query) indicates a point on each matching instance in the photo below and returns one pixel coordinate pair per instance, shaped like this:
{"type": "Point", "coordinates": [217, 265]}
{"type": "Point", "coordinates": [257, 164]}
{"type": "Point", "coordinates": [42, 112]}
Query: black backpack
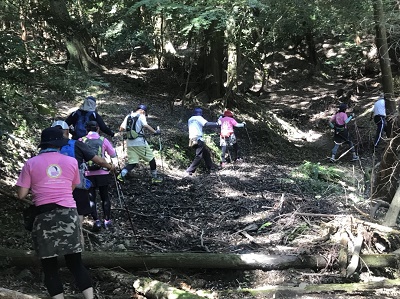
{"type": "Point", "coordinates": [96, 145]}
{"type": "Point", "coordinates": [131, 127]}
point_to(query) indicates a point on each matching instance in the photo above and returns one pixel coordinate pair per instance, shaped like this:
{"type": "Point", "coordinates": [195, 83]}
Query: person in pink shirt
{"type": "Point", "coordinates": [99, 176]}
{"type": "Point", "coordinates": [339, 122]}
{"type": "Point", "coordinates": [228, 138]}
{"type": "Point", "coordinates": [51, 177]}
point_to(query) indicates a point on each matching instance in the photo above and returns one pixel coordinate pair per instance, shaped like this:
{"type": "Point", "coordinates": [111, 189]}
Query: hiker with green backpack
{"type": "Point", "coordinates": [87, 112]}
{"type": "Point", "coordinates": [137, 146]}
{"type": "Point", "coordinates": [99, 176]}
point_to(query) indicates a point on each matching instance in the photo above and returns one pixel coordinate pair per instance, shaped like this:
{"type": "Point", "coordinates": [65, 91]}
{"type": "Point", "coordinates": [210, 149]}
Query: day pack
{"type": "Point", "coordinates": [96, 145]}
{"type": "Point", "coordinates": [131, 127]}
{"type": "Point", "coordinates": [80, 126]}
{"type": "Point", "coordinates": [69, 150]}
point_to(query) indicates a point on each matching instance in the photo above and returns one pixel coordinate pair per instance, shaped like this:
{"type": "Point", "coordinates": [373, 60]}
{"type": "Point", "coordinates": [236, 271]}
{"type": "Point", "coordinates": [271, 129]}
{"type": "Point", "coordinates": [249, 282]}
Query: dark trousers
{"type": "Point", "coordinates": [202, 152]}
{"type": "Point", "coordinates": [233, 154]}
{"type": "Point", "coordinates": [52, 278]}
{"type": "Point", "coordinates": [380, 128]}
{"type": "Point", "coordinates": [100, 182]}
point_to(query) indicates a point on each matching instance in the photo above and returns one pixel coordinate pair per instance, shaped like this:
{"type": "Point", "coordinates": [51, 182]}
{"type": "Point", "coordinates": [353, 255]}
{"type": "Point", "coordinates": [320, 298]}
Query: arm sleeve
{"type": "Point", "coordinates": [109, 148]}
{"type": "Point", "coordinates": [211, 124]}
{"type": "Point", "coordinates": [70, 120]}
{"type": "Point", "coordinates": [87, 153]}
{"type": "Point", "coordinates": [103, 127]}
{"type": "Point", "coordinates": [348, 119]}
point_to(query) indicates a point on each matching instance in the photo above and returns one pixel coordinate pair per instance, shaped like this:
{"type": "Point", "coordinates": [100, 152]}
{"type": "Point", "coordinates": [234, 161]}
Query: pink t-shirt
{"type": "Point", "coordinates": [339, 118]}
{"type": "Point", "coordinates": [107, 148]}
{"type": "Point", "coordinates": [227, 124]}
{"type": "Point", "coordinates": [50, 176]}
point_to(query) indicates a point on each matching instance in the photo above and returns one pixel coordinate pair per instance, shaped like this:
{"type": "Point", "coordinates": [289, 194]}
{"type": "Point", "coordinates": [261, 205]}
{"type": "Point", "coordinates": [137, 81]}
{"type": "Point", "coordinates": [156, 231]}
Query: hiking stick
{"type": "Point", "coordinates": [161, 155]}
{"type": "Point", "coordinates": [123, 203]}
{"type": "Point", "coordinates": [248, 136]}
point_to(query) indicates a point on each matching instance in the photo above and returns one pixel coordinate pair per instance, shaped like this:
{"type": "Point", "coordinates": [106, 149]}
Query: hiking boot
{"type": "Point", "coordinates": [333, 160]}
{"type": "Point", "coordinates": [120, 178]}
{"type": "Point", "coordinates": [107, 224]}
{"type": "Point", "coordinates": [188, 174]}
{"type": "Point", "coordinates": [96, 226]}
{"type": "Point", "coordinates": [355, 158]}
{"type": "Point", "coordinates": [156, 180]}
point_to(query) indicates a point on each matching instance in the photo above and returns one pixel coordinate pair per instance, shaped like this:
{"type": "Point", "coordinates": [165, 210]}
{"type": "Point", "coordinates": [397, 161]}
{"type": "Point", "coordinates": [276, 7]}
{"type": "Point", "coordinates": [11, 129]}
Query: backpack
{"type": "Point", "coordinates": [69, 150]}
{"type": "Point", "coordinates": [80, 126]}
{"type": "Point", "coordinates": [96, 145]}
{"type": "Point", "coordinates": [131, 127]}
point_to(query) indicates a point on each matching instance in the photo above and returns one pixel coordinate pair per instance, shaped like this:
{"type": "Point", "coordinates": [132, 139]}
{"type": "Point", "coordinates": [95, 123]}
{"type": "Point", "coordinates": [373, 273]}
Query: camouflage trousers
{"type": "Point", "coordinates": [57, 233]}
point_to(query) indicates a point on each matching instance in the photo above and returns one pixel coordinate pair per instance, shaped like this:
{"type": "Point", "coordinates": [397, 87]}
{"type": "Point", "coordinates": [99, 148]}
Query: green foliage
{"type": "Point", "coordinates": [318, 172]}
{"type": "Point", "coordinates": [316, 179]}
{"type": "Point", "coordinates": [298, 231]}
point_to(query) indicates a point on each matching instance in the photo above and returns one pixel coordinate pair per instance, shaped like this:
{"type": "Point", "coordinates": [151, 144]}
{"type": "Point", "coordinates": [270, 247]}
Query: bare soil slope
{"type": "Point", "coordinates": [261, 205]}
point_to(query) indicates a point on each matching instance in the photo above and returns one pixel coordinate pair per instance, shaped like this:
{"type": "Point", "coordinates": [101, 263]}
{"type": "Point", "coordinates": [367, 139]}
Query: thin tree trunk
{"type": "Point", "coordinates": [386, 183]}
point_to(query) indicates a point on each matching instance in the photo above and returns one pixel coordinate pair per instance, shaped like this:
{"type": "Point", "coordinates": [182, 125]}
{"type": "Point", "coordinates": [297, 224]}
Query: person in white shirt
{"type": "Point", "coordinates": [379, 115]}
{"type": "Point", "coordinates": [196, 141]}
{"type": "Point", "coordinates": [137, 146]}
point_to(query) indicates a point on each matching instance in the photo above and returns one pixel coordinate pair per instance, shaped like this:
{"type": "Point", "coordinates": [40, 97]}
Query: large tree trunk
{"type": "Point", "coordinates": [23, 258]}
{"type": "Point", "coordinates": [214, 69]}
{"type": "Point", "coordinates": [75, 37]}
{"type": "Point", "coordinates": [386, 183]}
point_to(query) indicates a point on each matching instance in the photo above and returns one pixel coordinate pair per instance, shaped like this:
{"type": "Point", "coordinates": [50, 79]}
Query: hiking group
{"type": "Point", "coordinates": [339, 123]}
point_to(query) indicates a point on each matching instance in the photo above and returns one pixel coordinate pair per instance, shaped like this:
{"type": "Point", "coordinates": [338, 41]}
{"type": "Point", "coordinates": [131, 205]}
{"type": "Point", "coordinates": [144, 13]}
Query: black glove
{"type": "Point", "coordinates": [112, 134]}
{"type": "Point", "coordinates": [157, 132]}
{"type": "Point", "coordinates": [244, 124]}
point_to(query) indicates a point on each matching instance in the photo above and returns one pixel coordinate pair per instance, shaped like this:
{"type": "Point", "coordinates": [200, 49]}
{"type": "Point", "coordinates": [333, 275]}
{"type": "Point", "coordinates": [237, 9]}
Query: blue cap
{"type": "Point", "coordinates": [198, 111]}
{"type": "Point", "coordinates": [141, 106]}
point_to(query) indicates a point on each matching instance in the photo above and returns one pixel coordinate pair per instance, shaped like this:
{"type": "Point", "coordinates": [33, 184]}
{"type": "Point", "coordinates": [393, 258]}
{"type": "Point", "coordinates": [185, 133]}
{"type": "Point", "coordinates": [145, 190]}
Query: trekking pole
{"type": "Point", "coordinates": [123, 203]}
{"type": "Point", "coordinates": [159, 142]}
{"type": "Point", "coordinates": [248, 136]}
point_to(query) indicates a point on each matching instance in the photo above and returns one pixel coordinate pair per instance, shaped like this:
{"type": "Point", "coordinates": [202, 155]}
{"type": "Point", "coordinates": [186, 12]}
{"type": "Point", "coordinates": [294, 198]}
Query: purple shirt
{"type": "Point", "coordinates": [50, 176]}
{"type": "Point", "coordinates": [339, 118]}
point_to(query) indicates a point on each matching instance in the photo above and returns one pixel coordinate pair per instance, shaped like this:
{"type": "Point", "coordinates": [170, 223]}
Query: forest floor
{"type": "Point", "coordinates": [270, 203]}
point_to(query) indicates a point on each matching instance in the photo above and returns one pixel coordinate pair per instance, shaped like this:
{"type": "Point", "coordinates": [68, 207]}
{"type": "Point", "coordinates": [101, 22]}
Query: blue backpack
{"type": "Point", "coordinates": [69, 149]}
{"type": "Point", "coordinates": [80, 126]}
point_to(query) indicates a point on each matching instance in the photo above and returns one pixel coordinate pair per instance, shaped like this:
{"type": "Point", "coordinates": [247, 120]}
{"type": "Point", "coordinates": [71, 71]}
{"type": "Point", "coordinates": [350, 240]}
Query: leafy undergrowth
{"type": "Point", "coordinates": [273, 202]}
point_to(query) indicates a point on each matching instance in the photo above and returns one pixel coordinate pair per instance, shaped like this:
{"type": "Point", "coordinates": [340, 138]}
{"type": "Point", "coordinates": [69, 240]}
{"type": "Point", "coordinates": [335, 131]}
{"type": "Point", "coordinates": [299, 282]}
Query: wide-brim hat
{"type": "Point", "coordinates": [53, 137]}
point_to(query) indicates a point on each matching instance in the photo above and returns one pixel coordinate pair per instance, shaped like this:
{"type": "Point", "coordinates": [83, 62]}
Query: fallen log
{"type": "Point", "coordinates": [302, 289]}
{"type": "Point", "coordinates": [252, 261]}
{"type": "Point", "coordinates": [10, 294]}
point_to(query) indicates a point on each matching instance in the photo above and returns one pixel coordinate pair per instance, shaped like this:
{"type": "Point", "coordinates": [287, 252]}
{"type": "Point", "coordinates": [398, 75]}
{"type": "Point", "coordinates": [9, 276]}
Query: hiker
{"type": "Point", "coordinates": [228, 138]}
{"type": "Point", "coordinates": [99, 177]}
{"type": "Point", "coordinates": [137, 146]}
{"type": "Point", "coordinates": [379, 115]}
{"type": "Point", "coordinates": [196, 141]}
{"type": "Point", "coordinates": [51, 177]}
{"type": "Point", "coordinates": [339, 122]}
{"type": "Point", "coordinates": [81, 152]}
{"type": "Point", "coordinates": [85, 113]}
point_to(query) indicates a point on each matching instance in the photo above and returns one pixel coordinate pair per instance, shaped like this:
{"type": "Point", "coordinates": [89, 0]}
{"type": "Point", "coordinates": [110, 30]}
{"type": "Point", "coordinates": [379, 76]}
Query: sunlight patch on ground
{"type": "Point", "coordinates": [294, 134]}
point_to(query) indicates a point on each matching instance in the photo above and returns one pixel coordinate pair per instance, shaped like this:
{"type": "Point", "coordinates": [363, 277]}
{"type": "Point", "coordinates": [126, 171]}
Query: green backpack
{"type": "Point", "coordinates": [131, 127]}
{"type": "Point", "coordinates": [96, 145]}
